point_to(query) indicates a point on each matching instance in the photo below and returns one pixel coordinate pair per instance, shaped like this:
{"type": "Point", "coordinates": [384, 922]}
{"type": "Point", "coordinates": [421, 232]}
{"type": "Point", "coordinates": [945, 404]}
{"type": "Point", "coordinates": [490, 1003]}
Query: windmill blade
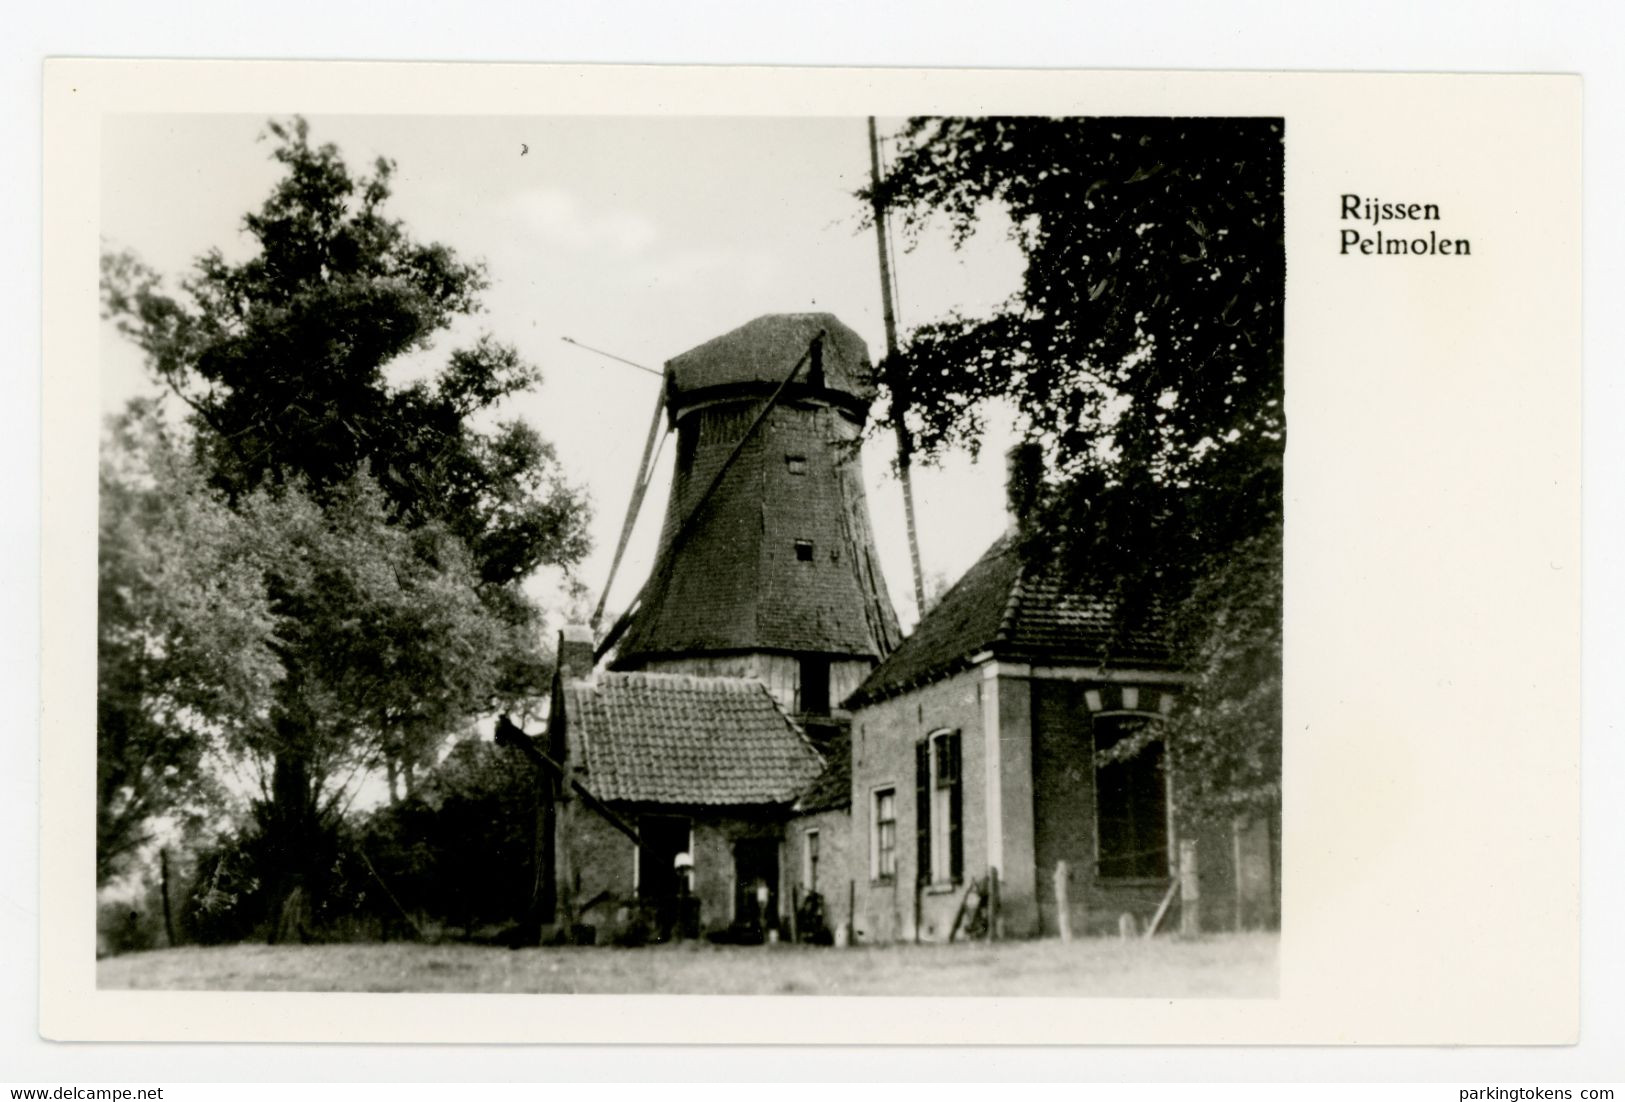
{"type": "Point", "coordinates": [645, 475]}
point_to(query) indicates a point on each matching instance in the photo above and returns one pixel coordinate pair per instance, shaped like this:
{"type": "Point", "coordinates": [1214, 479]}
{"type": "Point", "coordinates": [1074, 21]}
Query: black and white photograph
{"type": "Point", "coordinates": [626, 555]}
{"type": "Point", "coordinates": [783, 556]}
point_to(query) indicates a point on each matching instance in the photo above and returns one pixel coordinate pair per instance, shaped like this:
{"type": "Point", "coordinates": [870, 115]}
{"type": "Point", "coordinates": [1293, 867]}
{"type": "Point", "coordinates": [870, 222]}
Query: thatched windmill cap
{"type": "Point", "coordinates": [758, 355]}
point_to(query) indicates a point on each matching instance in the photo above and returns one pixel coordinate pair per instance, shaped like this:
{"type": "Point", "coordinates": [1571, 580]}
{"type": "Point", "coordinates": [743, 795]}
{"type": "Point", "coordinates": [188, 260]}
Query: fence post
{"type": "Point", "coordinates": [1238, 874]}
{"type": "Point", "coordinates": [992, 903]}
{"type": "Point", "coordinates": [163, 883]}
{"type": "Point", "coordinates": [1190, 903]}
{"type": "Point", "coordinates": [851, 912]}
{"type": "Point", "coordinates": [1063, 913]}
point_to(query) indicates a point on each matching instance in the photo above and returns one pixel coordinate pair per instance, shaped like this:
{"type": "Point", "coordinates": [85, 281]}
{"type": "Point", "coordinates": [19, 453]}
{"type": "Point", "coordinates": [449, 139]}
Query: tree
{"type": "Point", "coordinates": [398, 528]}
{"type": "Point", "coordinates": [185, 637]}
{"type": "Point", "coordinates": [1144, 351]}
{"type": "Point", "coordinates": [463, 851]}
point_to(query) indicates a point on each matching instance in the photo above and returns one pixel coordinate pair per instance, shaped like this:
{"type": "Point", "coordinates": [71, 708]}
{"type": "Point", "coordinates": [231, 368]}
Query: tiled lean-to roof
{"type": "Point", "coordinates": [681, 739]}
{"type": "Point", "coordinates": [1004, 607]}
{"type": "Point", "coordinates": [832, 790]}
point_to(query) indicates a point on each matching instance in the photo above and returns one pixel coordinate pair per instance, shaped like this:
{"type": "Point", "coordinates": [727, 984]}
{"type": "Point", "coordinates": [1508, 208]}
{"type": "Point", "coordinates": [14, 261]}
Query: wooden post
{"type": "Point", "coordinates": [1162, 908]}
{"type": "Point", "coordinates": [1237, 875]}
{"type": "Point", "coordinates": [795, 905]}
{"type": "Point", "coordinates": [992, 904]}
{"type": "Point", "coordinates": [851, 913]}
{"type": "Point", "coordinates": [1063, 912]}
{"type": "Point", "coordinates": [959, 915]}
{"type": "Point", "coordinates": [410, 921]}
{"type": "Point", "coordinates": [1190, 903]}
{"type": "Point", "coordinates": [163, 886]}
{"type": "Point", "coordinates": [905, 445]}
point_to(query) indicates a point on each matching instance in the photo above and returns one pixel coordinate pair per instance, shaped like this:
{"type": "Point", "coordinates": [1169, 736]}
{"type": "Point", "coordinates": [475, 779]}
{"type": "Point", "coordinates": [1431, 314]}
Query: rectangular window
{"type": "Point", "coordinates": [809, 869]}
{"type": "Point", "coordinates": [814, 687]}
{"type": "Point", "coordinates": [796, 464]}
{"type": "Point", "coordinates": [941, 808]}
{"type": "Point", "coordinates": [883, 839]}
{"type": "Point", "coordinates": [804, 550]}
{"type": "Point", "coordinates": [1131, 799]}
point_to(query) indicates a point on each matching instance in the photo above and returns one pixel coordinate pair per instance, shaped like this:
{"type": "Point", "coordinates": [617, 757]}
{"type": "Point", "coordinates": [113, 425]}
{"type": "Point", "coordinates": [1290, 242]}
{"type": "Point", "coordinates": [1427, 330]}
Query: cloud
{"type": "Point", "coordinates": [560, 218]}
{"type": "Point", "coordinates": [563, 221]}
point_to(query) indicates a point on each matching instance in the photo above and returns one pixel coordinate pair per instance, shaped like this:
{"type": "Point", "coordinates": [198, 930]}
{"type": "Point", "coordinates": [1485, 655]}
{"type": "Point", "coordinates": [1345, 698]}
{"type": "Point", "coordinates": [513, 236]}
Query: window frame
{"type": "Point", "coordinates": [878, 851]}
{"type": "Point", "coordinates": [811, 851]}
{"type": "Point", "coordinates": [814, 668]}
{"type": "Point", "coordinates": [1161, 821]}
{"type": "Point", "coordinates": [945, 817]}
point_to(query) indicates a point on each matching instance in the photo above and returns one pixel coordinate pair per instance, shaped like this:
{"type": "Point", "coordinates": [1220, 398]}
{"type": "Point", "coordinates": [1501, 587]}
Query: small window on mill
{"type": "Point", "coordinates": [796, 464]}
{"type": "Point", "coordinates": [804, 550]}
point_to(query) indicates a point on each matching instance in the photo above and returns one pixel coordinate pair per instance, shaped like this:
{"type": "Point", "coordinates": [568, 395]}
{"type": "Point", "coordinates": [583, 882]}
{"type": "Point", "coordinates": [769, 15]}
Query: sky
{"type": "Point", "coordinates": [640, 236]}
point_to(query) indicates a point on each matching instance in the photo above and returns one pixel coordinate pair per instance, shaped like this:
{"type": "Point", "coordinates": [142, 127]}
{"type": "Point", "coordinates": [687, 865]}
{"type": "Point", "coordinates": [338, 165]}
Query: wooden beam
{"type": "Point", "coordinates": [510, 734]}
{"type": "Point", "coordinates": [1162, 908]}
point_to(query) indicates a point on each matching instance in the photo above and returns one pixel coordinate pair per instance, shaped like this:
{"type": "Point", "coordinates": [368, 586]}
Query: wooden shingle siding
{"type": "Point", "coordinates": [767, 543]}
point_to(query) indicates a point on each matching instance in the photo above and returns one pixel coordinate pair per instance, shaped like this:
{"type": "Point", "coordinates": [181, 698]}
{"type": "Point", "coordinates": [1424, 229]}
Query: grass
{"type": "Point", "coordinates": [1225, 966]}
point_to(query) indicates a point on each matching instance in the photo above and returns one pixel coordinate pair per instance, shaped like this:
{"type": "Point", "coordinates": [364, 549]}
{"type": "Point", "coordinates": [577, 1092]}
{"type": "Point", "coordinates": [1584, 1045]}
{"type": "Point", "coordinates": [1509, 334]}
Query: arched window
{"type": "Point", "coordinates": [1131, 797]}
{"type": "Point", "coordinates": [939, 808]}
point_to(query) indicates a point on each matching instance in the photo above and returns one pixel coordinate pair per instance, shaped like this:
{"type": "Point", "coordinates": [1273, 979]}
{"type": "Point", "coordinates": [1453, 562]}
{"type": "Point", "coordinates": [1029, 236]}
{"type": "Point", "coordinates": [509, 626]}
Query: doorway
{"type": "Point", "coordinates": [660, 839]}
{"type": "Point", "coordinates": [756, 888]}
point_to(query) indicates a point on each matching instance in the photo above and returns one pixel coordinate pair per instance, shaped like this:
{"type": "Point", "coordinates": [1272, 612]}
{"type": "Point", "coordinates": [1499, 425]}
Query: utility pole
{"type": "Point", "coordinates": [905, 447]}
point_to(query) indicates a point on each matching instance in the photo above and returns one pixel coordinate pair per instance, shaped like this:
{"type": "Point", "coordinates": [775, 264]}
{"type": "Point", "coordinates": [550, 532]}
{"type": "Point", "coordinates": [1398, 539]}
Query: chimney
{"type": "Point", "coordinates": [1024, 474]}
{"type": "Point", "coordinates": [575, 652]}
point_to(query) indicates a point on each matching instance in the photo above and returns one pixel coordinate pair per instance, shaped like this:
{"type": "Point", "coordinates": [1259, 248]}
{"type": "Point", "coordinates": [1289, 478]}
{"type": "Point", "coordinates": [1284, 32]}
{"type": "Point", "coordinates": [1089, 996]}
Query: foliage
{"type": "Point", "coordinates": [381, 627]}
{"type": "Point", "coordinates": [1226, 736]}
{"type": "Point", "coordinates": [129, 926]}
{"type": "Point", "coordinates": [1144, 353]}
{"type": "Point", "coordinates": [395, 522]}
{"type": "Point", "coordinates": [185, 637]}
{"type": "Point", "coordinates": [459, 852]}
{"type": "Point", "coordinates": [1144, 346]}
{"type": "Point", "coordinates": [232, 893]}
{"type": "Point", "coordinates": [453, 854]}
{"type": "Point", "coordinates": [283, 360]}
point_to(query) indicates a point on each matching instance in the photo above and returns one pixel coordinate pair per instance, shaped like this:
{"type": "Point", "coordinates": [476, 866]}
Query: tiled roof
{"type": "Point", "coordinates": [763, 351]}
{"type": "Point", "coordinates": [833, 788]}
{"type": "Point", "coordinates": [680, 739]}
{"type": "Point", "coordinates": [1017, 613]}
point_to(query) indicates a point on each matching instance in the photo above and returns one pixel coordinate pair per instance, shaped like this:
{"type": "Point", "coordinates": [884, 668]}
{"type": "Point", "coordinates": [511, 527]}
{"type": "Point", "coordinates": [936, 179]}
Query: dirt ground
{"type": "Point", "coordinates": [1235, 966]}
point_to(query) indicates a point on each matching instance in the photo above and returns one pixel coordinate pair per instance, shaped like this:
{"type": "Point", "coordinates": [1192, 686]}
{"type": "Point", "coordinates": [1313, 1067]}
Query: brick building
{"type": "Point", "coordinates": [974, 748]}
{"type": "Point", "coordinates": [659, 765]}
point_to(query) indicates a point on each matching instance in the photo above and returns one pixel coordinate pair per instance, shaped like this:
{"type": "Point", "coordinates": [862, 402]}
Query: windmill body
{"type": "Point", "coordinates": [767, 566]}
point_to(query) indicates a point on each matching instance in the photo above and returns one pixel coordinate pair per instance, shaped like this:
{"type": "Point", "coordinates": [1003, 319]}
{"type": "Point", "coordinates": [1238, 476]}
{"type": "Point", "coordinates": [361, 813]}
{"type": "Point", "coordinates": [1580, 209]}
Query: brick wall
{"type": "Point", "coordinates": [1044, 788]}
{"type": "Point", "coordinates": [838, 853]}
{"type": "Point", "coordinates": [883, 739]}
{"type": "Point", "coordinates": [595, 857]}
{"type": "Point", "coordinates": [1065, 824]}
